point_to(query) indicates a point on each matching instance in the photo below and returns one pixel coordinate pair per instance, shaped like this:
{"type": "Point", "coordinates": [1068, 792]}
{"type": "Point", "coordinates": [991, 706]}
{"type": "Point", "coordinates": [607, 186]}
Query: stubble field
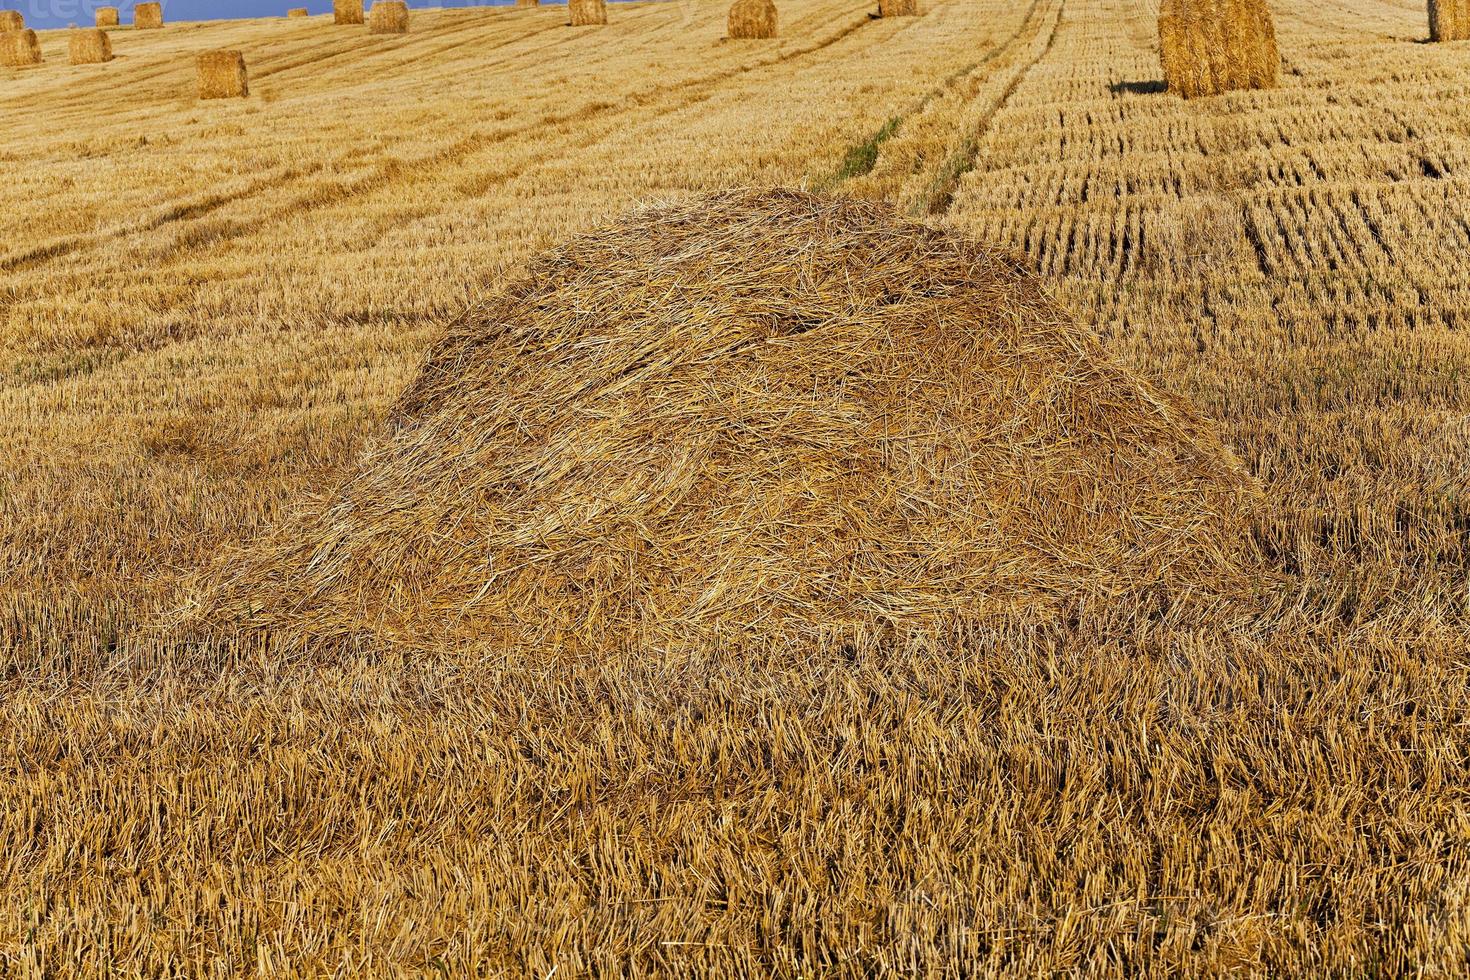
{"type": "Point", "coordinates": [207, 310]}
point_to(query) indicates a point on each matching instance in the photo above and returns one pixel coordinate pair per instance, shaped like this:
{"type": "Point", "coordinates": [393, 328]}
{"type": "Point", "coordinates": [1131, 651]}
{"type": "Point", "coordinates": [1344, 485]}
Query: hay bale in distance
{"type": "Point", "coordinates": [528, 3]}
{"type": "Point", "coordinates": [347, 12]}
{"type": "Point", "coordinates": [222, 75]}
{"type": "Point", "coordinates": [898, 8]}
{"type": "Point", "coordinates": [20, 49]}
{"type": "Point", "coordinates": [752, 19]}
{"type": "Point", "coordinates": [757, 420]}
{"type": "Point", "coordinates": [1207, 47]}
{"type": "Point", "coordinates": [388, 17]}
{"type": "Point", "coordinates": [12, 20]}
{"type": "Point", "coordinates": [1449, 20]}
{"type": "Point", "coordinates": [587, 13]}
{"type": "Point", "coordinates": [90, 46]}
{"type": "Point", "coordinates": [148, 16]}
{"type": "Point", "coordinates": [298, 12]}
{"type": "Point", "coordinates": [108, 17]}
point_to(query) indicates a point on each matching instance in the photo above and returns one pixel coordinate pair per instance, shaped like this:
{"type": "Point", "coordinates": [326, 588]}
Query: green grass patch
{"type": "Point", "coordinates": [940, 193]}
{"type": "Point", "coordinates": [861, 158]}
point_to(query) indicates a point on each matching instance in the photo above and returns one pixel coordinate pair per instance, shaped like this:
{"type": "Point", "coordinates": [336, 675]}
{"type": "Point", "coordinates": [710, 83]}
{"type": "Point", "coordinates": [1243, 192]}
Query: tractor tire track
{"type": "Point", "coordinates": [941, 193]}
{"type": "Point", "coordinates": [862, 158]}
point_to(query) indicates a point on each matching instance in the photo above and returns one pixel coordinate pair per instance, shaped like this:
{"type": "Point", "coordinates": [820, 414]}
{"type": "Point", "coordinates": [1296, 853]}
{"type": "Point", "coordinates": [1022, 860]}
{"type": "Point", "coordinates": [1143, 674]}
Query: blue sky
{"type": "Point", "coordinates": [59, 13]}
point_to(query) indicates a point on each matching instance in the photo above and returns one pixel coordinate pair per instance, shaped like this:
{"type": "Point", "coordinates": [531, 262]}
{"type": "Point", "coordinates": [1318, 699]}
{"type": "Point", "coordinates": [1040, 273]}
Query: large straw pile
{"type": "Point", "coordinates": [147, 16]}
{"type": "Point", "coordinates": [1207, 47]}
{"type": "Point", "coordinates": [752, 19]}
{"type": "Point", "coordinates": [1449, 20]}
{"type": "Point", "coordinates": [222, 75]}
{"type": "Point", "coordinates": [347, 12]}
{"type": "Point", "coordinates": [108, 17]}
{"type": "Point", "coordinates": [388, 17]}
{"type": "Point", "coordinates": [898, 8]}
{"type": "Point", "coordinates": [12, 20]}
{"type": "Point", "coordinates": [90, 46]}
{"type": "Point", "coordinates": [759, 418]}
{"type": "Point", "coordinates": [586, 13]}
{"type": "Point", "coordinates": [19, 49]}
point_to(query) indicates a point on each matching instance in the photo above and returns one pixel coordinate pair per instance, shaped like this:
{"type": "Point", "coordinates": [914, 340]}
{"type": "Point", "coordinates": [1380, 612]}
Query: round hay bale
{"type": "Point", "coordinates": [1207, 47]}
{"type": "Point", "coordinates": [90, 46]}
{"type": "Point", "coordinates": [752, 19]}
{"type": "Point", "coordinates": [756, 419]}
{"type": "Point", "coordinates": [108, 17]}
{"type": "Point", "coordinates": [222, 75]}
{"type": "Point", "coordinates": [11, 20]}
{"type": "Point", "coordinates": [1444, 20]}
{"type": "Point", "coordinates": [1184, 47]}
{"type": "Point", "coordinates": [898, 8]}
{"type": "Point", "coordinates": [148, 16]}
{"type": "Point", "coordinates": [297, 12]}
{"type": "Point", "coordinates": [20, 49]}
{"type": "Point", "coordinates": [528, 3]}
{"type": "Point", "coordinates": [587, 13]}
{"type": "Point", "coordinates": [1174, 50]}
{"type": "Point", "coordinates": [1237, 53]}
{"type": "Point", "coordinates": [1208, 44]}
{"type": "Point", "coordinates": [347, 12]}
{"type": "Point", "coordinates": [388, 17]}
{"type": "Point", "coordinates": [1266, 62]}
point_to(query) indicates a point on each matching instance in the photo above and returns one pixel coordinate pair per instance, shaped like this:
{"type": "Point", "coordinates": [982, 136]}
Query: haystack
{"type": "Point", "coordinates": [1449, 20]}
{"type": "Point", "coordinates": [759, 418]}
{"type": "Point", "coordinates": [12, 20]}
{"type": "Point", "coordinates": [1207, 47]}
{"type": "Point", "coordinates": [347, 12]}
{"type": "Point", "coordinates": [222, 75]}
{"type": "Point", "coordinates": [388, 17]}
{"type": "Point", "coordinates": [752, 19]}
{"type": "Point", "coordinates": [298, 12]}
{"type": "Point", "coordinates": [19, 49]}
{"type": "Point", "coordinates": [89, 47]}
{"type": "Point", "coordinates": [587, 13]}
{"type": "Point", "coordinates": [147, 16]}
{"type": "Point", "coordinates": [528, 3]}
{"type": "Point", "coordinates": [898, 8]}
{"type": "Point", "coordinates": [108, 17]}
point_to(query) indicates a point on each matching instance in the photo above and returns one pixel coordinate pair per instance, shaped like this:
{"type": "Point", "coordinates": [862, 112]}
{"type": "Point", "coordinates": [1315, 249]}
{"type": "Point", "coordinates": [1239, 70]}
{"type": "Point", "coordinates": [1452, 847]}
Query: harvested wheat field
{"type": "Point", "coordinates": [457, 517]}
